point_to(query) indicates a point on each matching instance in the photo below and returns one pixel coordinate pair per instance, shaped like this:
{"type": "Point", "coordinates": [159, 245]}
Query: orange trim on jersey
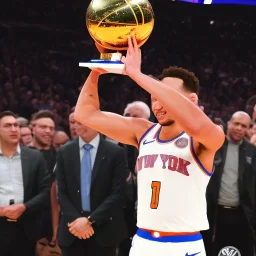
{"type": "Point", "coordinates": [163, 233]}
{"type": "Point", "coordinates": [198, 162]}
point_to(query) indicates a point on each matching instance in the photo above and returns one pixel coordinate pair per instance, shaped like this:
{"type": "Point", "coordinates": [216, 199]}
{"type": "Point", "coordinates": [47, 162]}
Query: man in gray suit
{"type": "Point", "coordinates": [24, 186]}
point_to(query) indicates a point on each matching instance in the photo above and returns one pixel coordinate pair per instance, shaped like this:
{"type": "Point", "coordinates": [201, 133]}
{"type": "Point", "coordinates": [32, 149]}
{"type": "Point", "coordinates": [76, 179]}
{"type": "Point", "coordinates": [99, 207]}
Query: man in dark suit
{"type": "Point", "coordinates": [25, 188]}
{"type": "Point", "coordinates": [91, 195]}
{"type": "Point", "coordinates": [231, 192]}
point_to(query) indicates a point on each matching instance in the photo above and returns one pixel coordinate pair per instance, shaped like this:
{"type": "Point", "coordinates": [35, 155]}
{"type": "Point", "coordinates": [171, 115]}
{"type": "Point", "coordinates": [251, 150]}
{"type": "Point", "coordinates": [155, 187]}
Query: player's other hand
{"type": "Point", "coordinates": [132, 60]}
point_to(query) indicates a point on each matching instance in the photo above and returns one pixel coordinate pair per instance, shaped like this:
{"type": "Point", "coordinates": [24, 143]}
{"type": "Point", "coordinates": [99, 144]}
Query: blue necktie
{"type": "Point", "coordinates": [86, 173]}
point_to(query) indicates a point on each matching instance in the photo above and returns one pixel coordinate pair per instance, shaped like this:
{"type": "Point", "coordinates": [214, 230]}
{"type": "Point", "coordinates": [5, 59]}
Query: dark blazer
{"type": "Point", "coordinates": [36, 190]}
{"type": "Point", "coordinates": [107, 192]}
{"type": "Point", "coordinates": [246, 183]}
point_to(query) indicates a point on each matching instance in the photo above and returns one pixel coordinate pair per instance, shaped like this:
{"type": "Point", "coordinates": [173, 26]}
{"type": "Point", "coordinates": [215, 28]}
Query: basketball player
{"type": "Point", "coordinates": [175, 159]}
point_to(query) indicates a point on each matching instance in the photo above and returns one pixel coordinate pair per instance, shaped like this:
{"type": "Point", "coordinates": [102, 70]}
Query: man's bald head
{"type": "Point", "coordinates": [238, 125]}
{"type": "Point", "coordinates": [59, 139]}
{"type": "Point", "coordinates": [241, 114]}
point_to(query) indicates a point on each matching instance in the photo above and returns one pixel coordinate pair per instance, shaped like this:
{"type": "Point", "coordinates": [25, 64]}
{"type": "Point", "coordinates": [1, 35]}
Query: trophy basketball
{"type": "Point", "coordinates": [110, 22]}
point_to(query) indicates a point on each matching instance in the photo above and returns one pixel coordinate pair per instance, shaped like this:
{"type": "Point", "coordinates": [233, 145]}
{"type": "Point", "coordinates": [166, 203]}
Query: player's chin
{"type": "Point", "coordinates": [166, 122]}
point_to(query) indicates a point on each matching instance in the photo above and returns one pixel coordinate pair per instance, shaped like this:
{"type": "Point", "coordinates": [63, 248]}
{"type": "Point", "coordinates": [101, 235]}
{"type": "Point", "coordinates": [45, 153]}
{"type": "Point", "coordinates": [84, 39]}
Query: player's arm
{"type": "Point", "coordinates": [87, 112]}
{"type": "Point", "coordinates": [189, 116]}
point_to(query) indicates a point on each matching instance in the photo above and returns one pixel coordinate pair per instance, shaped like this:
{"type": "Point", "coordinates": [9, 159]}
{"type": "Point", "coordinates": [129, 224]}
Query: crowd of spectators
{"type": "Point", "coordinates": [39, 57]}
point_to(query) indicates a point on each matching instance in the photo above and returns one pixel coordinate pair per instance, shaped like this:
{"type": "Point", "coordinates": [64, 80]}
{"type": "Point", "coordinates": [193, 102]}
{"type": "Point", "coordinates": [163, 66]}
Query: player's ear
{"type": "Point", "coordinates": [193, 97]}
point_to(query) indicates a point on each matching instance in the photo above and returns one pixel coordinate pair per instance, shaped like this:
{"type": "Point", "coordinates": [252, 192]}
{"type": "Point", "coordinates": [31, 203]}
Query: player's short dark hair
{"type": "Point", "coordinates": [7, 113]}
{"type": "Point", "coordinates": [43, 114]}
{"type": "Point", "coordinates": [190, 81]}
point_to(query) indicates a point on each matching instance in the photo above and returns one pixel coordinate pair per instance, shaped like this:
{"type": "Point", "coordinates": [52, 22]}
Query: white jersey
{"type": "Point", "coordinates": [171, 184]}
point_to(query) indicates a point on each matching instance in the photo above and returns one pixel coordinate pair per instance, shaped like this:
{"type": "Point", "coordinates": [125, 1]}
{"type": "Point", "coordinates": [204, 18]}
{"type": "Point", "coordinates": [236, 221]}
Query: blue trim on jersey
{"type": "Point", "coordinates": [146, 132]}
{"type": "Point", "coordinates": [165, 239]}
{"type": "Point", "coordinates": [165, 141]}
{"type": "Point", "coordinates": [198, 161]}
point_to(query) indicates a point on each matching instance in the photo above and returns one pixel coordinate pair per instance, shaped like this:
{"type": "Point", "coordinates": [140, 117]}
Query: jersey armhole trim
{"type": "Point", "coordinates": [145, 134]}
{"type": "Point", "coordinates": [200, 165]}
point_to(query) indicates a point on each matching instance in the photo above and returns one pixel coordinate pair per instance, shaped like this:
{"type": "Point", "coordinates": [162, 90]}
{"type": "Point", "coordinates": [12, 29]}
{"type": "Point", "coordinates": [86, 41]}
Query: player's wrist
{"type": "Point", "coordinates": [134, 74]}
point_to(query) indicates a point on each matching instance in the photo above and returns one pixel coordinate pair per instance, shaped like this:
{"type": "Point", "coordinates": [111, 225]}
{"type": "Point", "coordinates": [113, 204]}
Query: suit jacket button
{"type": "Point", "coordinates": [78, 191]}
{"type": "Point", "coordinates": [82, 211]}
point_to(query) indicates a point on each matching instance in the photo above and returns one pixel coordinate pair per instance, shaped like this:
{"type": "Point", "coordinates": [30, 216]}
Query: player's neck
{"type": "Point", "coordinates": [170, 131]}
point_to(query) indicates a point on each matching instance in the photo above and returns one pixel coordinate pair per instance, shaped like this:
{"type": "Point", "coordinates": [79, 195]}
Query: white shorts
{"type": "Point", "coordinates": [144, 243]}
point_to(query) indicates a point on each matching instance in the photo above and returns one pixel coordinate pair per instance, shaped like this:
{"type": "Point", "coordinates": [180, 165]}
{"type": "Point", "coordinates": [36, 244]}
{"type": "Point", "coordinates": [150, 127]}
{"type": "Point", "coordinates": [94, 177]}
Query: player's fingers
{"type": "Point", "coordinates": [72, 229]}
{"type": "Point", "coordinates": [130, 46]}
{"type": "Point", "coordinates": [72, 223]}
{"type": "Point", "coordinates": [123, 59]}
{"type": "Point", "coordinates": [91, 232]}
{"type": "Point", "coordinates": [134, 41]}
{"type": "Point", "coordinates": [76, 234]}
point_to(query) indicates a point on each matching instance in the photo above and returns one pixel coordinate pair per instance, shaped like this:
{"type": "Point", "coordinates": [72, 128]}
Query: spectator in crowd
{"type": "Point", "coordinates": [24, 194]}
{"type": "Point", "coordinates": [43, 130]}
{"type": "Point", "coordinates": [253, 140]}
{"type": "Point", "coordinates": [26, 137]}
{"type": "Point", "coordinates": [59, 138]}
{"type": "Point", "coordinates": [90, 195]}
{"type": "Point", "coordinates": [253, 128]}
{"type": "Point", "coordinates": [72, 124]}
{"type": "Point", "coordinates": [137, 109]}
{"type": "Point", "coordinates": [21, 121]}
{"type": "Point", "coordinates": [231, 191]}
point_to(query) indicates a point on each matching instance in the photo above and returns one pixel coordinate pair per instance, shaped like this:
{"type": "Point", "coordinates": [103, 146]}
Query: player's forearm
{"type": "Point", "coordinates": [88, 101]}
{"type": "Point", "coordinates": [186, 113]}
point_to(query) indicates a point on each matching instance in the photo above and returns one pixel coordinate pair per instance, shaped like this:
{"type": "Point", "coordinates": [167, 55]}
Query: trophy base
{"type": "Point", "coordinates": [115, 67]}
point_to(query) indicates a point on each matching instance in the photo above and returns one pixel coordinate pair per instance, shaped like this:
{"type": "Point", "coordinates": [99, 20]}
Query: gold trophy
{"type": "Point", "coordinates": [110, 22]}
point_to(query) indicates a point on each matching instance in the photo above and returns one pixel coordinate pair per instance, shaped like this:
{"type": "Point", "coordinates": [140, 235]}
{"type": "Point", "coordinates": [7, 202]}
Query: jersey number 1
{"type": "Point", "coordinates": [155, 186]}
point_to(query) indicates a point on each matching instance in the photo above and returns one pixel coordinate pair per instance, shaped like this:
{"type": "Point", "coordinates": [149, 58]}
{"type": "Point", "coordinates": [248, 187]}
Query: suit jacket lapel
{"type": "Point", "coordinates": [76, 163]}
{"type": "Point", "coordinates": [25, 166]}
{"type": "Point", "coordinates": [100, 156]}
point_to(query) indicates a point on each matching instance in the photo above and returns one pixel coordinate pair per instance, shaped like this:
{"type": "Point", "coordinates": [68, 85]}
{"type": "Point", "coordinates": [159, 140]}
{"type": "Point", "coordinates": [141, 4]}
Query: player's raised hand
{"type": "Point", "coordinates": [132, 60]}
